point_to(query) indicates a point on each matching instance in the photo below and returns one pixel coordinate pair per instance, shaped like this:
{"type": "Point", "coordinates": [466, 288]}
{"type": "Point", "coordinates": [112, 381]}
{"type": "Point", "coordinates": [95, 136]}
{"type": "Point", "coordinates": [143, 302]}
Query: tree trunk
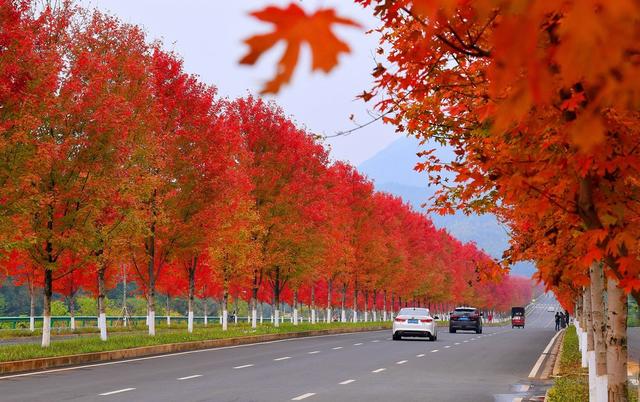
{"type": "Point", "coordinates": [329, 292]}
{"type": "Point", "coordinates": [254, 300]}
{"type": "Point", "coordinates": [276, 298]}
{"type": "Point", "coordinates": [102, 310]}
{"type": "Point", "coordinates": [343, 313]}
{"type": "Point", "coordinates": [366, 305]}
{"type": "Point", "coordinates": [32, 306]}
{"type": "Point", "coordinates": [598, 327]}
{"type": "Point", "coordinates": [617, 353]}
{"type": "Point", "coordinates": [295, 307]}
{"type": "Point", "coordinates": [192, 292]}
{"type": "Point", "coordinates": [355, 301]}
{"type": "Point", "coordinates": [72, 312]}
{"type": "Point", "coordinates": [312, 306]}
{"type": "Point", "coordinates": [46, 315]}
{"type": "Point", "coordinates": [168, 310]}
{"type": "Point", "coordinates": [225, 300]}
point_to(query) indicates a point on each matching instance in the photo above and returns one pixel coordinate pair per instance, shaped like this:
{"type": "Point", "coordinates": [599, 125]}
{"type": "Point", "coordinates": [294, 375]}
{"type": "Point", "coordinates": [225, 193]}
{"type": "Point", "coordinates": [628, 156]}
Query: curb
{"type": "Point", "coordinates": [19, 366]}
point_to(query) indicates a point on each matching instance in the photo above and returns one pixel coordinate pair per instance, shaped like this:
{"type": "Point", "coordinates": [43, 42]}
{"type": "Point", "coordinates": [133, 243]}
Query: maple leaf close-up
{"type": "Point", "coordinates": [188, 211]}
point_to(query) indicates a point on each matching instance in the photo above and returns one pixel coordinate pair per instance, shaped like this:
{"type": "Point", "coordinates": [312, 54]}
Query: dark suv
{"type": "Point", "coordinates": [465, 318]}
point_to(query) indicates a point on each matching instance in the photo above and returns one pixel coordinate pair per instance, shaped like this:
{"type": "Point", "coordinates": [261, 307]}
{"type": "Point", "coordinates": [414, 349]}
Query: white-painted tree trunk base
{"type": "Point", "coordinates": [585, 355]}
{"type": "Point", "coordinates": [295, 316]}
{"type": "Point", "coordinates": [206, 320]}
{"type": "Point", "coordinates": [235, 318]}
{"type": "Point", "coordinates": [602, 388]}
{"type": "Point", "coordinates": [375, 316]}
{"type": "Point", "coordinates": [225, 319]}
{"type": "Point", "coordinates": [102, 323]}
{"type": "Point", "coordinates": [276, 318]}
{"type": "Point", "coordinates": [328, 315]}
{"type": "Point", "coordinates": [355, 315]}
{"type": "Point", "coordinates": [190, 321]}
{"type": "Point", "coordinates": [343, 316]}
{"type": "Point", "coordinates": [282, 318]}
{"type": "Point", "coordinates": [591, 357]}
{"type": "Point", "coordinates": [168, 320]}
{"type": "Point", "coordinates": [366, 316]}
{"type": "Point", "coordinates": [313, 316]}
{"type": "Point", "coordinates": [254, 318]}
{"type": "Point", "coordinates": [151, 319]}
{"type": "Point", "coordinates": [261, 318]}
{"type": "Point", "coordinates": [72, 323]}
{"type": "Point", "coordinates": [46, 331]}
{"type": "Point", "coordinates": [384, 315]}
{"type": "Point", "coordinates": [32, 323]}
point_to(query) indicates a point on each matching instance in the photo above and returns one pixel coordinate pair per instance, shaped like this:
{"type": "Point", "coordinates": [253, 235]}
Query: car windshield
{"type": "Point", "coordinates": [465, 310]}
{"type": "Point", "coordinates": [414, 311]}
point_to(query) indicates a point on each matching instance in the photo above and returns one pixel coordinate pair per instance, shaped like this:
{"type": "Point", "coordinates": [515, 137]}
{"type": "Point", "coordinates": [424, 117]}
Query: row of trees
{"type": "Point", "coordinates": [539, 101]}
{"type": "Point", "coordinates": [112, 155]}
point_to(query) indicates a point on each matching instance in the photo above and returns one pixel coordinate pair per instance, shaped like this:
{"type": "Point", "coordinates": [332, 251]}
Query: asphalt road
{"type": "Point", "coordinates": [493, 366]}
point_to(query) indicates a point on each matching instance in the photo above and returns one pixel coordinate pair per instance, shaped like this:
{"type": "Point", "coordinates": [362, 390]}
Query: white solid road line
{"type": "Point", "coordinates": [117, 391]}
{"type": "Point", "coordinates": [380, 370]}
{"type": "Point", "coordinates": [357, 344]}
{"type": "Point", "coordinates": [243, 366]}
{"type": "Point", "coordinates": [401, 362]}
{"type": "Point", "coordinates": [137, 359]}
{"type": "Point", "coordinates": [189, 377]}
{"type": "Point", "coordinates": [314, 352]}
{"type": "Point", "coordinates": [303, 396]}
{"type": "Point", "coordinates": [337, 348]}
{"type": "Point", "coordinates": [345, 382]}
{"type": "Point", "coordinates": [281, 358]}
{"type": "Point", "coordinates": [420, 355]}
{"type": "Point", "coordinates": [536, 367]}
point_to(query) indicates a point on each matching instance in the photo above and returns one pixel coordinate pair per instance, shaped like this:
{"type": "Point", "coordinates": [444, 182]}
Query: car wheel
{"type": "Point", "coordinates": [479, 330]}
{"type": "Point", "coordinates": [434, 338]}
{"type": "Point", "coordinates": [396, 337]}
{"type": "Point", "coordinates": [452, 331]}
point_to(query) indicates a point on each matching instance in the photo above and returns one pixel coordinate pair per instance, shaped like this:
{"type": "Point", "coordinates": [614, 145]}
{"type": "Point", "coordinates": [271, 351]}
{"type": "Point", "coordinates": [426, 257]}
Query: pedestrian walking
{"type": "Point", "coordinates": [558, 319]}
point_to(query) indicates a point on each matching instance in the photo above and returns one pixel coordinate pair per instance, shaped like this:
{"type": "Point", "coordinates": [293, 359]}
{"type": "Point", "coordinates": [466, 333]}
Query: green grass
{"type": "Point", "coordinates": [573, 383]}
{"type": "Point", "coordinates": [127, 341]}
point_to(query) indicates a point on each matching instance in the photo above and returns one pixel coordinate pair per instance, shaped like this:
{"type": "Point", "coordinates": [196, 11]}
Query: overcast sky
{"type": "Point", "coordinates": [208, 34]}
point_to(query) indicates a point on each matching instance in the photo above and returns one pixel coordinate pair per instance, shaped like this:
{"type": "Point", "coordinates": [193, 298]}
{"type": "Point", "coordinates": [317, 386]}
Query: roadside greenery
{"type": "Point", "coordinates": [127, 341]}
{"type": "Point", "coordinates": [573, 382]}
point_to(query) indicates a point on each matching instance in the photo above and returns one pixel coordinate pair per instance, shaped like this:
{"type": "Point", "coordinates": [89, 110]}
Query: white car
{"type": "Point", "coordinates": [551, 309]}
{"type": "Point", "coordinates": [415, 321]}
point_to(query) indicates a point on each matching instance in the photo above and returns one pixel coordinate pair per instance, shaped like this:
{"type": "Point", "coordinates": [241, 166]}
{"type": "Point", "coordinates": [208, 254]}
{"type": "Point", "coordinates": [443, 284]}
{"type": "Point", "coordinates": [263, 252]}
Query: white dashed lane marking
{"type": "Point", "coordinates": [357, 344]}
{"type": "Point", "coordinates": [117, 391]}
{"type": "Point", "coordinates": [420, 355]}
{"type": "Point", "coordinates": [434, 351]}
{"type": "Point", "coordinates": [281, 358]}
{"type": "Point", "coordinates": [303, 396]}
{"type": "Point", "coordinates": [189, 377]}
{"type": "Point", "coordinates": [314, 352]}
{"type": "Point", "coordinates": [243, 366]}
{"type": "Point", "coordinates": [447, 347]}
{"type": "Point", "coordinates": [337, 348]}
{"type": "Point", "coordinates": [380, 370]}
{"type": "Point", "coordinates": [345, 382]}
{"type": "Point", "coordinates": [457, 343]}
{"type": "Point", "coordinates": [375, 340]}
{"type": "Point", "coordinates": [401, 362]}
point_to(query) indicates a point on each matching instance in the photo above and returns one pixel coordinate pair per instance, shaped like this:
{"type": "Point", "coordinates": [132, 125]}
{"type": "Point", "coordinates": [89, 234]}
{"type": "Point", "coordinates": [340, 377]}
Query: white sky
{"type": "Point", "coordinates": [208, 34]}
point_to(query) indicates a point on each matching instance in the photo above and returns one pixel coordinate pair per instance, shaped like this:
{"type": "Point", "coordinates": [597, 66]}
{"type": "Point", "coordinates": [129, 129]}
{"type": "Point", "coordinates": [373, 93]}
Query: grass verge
{"type": "Point", "coordinates": [573, 383]}
{"type": "Point", "coordinates": [126, 341]}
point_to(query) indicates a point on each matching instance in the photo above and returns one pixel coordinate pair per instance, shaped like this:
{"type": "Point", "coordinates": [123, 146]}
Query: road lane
{"type": "Point", "coordinates": [485, 366]}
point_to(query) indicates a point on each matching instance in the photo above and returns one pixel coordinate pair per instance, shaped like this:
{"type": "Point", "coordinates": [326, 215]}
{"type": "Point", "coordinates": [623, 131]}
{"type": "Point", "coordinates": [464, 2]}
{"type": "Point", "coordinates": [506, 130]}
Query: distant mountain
{"type": "Point", "coordinates": [392, 171]}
